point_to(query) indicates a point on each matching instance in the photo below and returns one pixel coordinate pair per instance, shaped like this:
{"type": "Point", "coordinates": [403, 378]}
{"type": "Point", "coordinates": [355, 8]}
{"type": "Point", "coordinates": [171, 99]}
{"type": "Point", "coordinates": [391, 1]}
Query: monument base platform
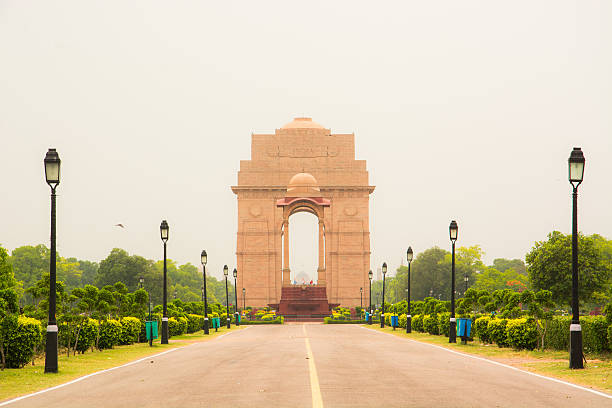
{"type": "Point", "coordinates": [304, 302]}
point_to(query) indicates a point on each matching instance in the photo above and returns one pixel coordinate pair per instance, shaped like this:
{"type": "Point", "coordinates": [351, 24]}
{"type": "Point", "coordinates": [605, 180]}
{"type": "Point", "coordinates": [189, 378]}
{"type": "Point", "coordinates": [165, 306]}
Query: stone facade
{"type": "Point", "coordinates": [265, 206]}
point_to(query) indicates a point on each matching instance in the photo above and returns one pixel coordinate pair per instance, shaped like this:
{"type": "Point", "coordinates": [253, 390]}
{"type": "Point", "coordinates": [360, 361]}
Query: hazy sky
{"type": "Point", "coordinates": [464, 110]}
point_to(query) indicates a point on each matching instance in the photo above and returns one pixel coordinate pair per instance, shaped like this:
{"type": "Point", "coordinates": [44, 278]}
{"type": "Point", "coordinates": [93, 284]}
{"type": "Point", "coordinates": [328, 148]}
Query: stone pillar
{"type": "Point", "coordinates": [286, 272]}
{"type": "Point", "coordinates": [321, 270]}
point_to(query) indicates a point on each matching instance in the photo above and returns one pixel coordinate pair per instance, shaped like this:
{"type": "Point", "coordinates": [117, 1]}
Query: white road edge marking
{"type": "Point", "coordinates": [317, 399]}
{"type": "Point", "coordinates": [100, 372]}
{"type": "Point", "coordinates": [601, 394]}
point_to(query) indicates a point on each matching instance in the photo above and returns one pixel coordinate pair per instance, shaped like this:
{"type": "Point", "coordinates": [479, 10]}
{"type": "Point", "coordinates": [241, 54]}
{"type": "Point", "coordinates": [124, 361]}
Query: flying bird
{"type": "Point", "coordinates": [120, 225]}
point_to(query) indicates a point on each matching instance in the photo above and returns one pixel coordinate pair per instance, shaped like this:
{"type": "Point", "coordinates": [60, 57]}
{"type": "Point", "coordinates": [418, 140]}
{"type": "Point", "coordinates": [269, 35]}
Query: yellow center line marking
{"type": "Point", "coordinates": [317, 400]}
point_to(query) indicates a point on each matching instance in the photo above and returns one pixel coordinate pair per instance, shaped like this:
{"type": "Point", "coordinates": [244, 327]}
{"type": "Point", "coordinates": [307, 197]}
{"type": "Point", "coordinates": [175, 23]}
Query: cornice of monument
{"type": "Point", "coordinates": [237, 189]}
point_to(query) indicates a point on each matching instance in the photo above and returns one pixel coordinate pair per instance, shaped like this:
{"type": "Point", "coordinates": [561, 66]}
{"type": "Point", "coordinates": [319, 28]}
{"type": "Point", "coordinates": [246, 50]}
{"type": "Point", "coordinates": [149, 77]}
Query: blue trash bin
{"type": "Point", "coordinates": [464, 328]}
{"type": "Point", "coordinates": [394, 321]}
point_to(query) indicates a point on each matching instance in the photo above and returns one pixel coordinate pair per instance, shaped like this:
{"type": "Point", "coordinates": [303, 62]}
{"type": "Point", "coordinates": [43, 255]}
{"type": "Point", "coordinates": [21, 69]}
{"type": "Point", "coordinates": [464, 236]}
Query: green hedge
{"type": "Point", "coordinates": [21, 340]}
{"type": "Point", "coordinates": [329, 320]}
{"type": "Point", "coordinates": [481, 329]}
{"type": "Point", "coordinates": [430, 324]}
{"type": "Point", "coordinates": [594, 334]}
{"type": "Point", "coordinates": [497, 332]}
{"type": "Point", "coordinates": [278, 320]}
{"type": "Point", "coordinates": [444, 323]}
{"type": "Point", "coordinates": [417, 323]}
{"type": "Point", "coordinates": [194, 323]}
{"type": "Point", "coordinates": [522, 334]}
{"type": "Point", "coordinates": [86, 334]}
{"type": "Point", "coordinates": [557, 333]}
{"type": "Point", "coordinates": [130, 329]}
{"type": "Point", "coordinates": [177, 326]}
{"type": "Point", "coordinates": [110, 334]}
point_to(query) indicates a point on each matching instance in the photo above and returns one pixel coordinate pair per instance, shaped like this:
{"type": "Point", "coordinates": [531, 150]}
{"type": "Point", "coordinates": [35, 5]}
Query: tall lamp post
{"type": "Point", "coordinates": [452, 331]}
{"type": "Point", "coordinates": [52, 175]}
{"type": "Point", "coordinates": [409, 256]}
{"type": "Point", "coordinates": [243, 299]}
{"type": "Point", "coordinates": [164, 230]}
{"type": "Point", "coordinates": [370, 275]}
{"type": "Point", "coordinates": [382, 315]}
{"type": "Point", "coordinates": [204, 259]}
{"type": "Point", "coordinates": [150, 331]}
{"type": "Point", "coordinates": [576, 174]}
{"type": "Point", "coordinates": [465, 280]}
{"type": "Point", "coordinates": [361, 297]}
{"type": "Point", "coordinates": [226, 272]}
{"type": "Point", "coordinates": [236, 297]}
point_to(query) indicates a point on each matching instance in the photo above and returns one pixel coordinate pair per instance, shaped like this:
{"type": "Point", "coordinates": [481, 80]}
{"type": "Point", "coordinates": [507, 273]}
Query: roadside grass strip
{"type": "Point", "coordinates": [595, 374]}
{"type": "Point", "coordinates": [31, 380]}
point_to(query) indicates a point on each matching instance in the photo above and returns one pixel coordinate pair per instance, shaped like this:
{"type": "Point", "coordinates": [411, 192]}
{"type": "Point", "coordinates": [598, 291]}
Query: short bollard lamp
{"type": "Point", "coordinates": [409, 256]}
{"type": "Point", "coordinates": [576, 174]}
{"type": "Point", "coordinates": [52, 176]}
{"type": "Point", "coordinates": [370, 276]}
{"type": "Point", "coordinates": [236, 297]}
{"type": "Point", "coordinates": [453, 230]}
{"type": "Point", "coordinates": [204, 259]}
{"type": "Point", "coordinates": [225, 273]}
{"type": "Point", "coordinates": [382, 315]}
{"type": "Point", "coordinates": [164, 232]}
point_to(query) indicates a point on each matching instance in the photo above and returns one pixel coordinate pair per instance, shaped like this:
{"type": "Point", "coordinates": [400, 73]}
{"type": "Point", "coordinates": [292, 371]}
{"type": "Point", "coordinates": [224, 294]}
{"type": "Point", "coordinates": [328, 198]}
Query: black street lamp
{"type": "Point", "coordinates": [576, 174]}
{"type": "Point", "coordinates": [164, 231]}
{"type": "Point", "coordinates": [409, 256]}
{"type": "Point", "coordinates": [382, 315]}
{"type": "Point", "coordinates": [236, 297]}
{"type": "Point", "coordinates": [361, 298]}
{"type": "Point", "coordinates": [140, 282]}
{"type": "Point", "coordinates": [452, 331]}
{"type": "Point", "coordinates": [204, 259]}
{"type": "Point", "coordinates": [370, 275]}
{"type": "Point", "coordinates": [243, 299]}
{"type": "Point", "coordinates": [52, 175]}
{"type": "Point", "coordinates": [465, 280]}
{"type": "Point", "coordinates": [225, 272]}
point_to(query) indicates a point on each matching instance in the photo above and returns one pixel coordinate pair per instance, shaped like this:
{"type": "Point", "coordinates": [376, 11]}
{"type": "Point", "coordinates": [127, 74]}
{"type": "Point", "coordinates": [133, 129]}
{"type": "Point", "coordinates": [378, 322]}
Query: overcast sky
{"type": "Point", "coordinates": [464, 110]}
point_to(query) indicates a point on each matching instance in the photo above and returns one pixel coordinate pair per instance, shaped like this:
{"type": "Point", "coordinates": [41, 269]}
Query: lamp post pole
{"type": "Point", "coordinates": [452, 333]}
{"type": "Point", "coordinates": [225, 272]}
{"type": "Point", "coordinates": [382, 315]}
{"type": "Point", "coordinates": [370, 275]}
{"type": "Point", "coordinates": [236, 297]}
{"type": "Point", "coordinates": [576, 174]}
{"type": "Point", "coordinates": [204, 259]}
{"type": "Point", "coordinates": [164, 229]}
{"type": "Point", "coordinates": [243, 299]}
{"type": "Point", "coordinates": [52, 175]}
{"type": "Point", "coordinates": [361, 298]}
{"type": "Point", "coordinates": [409, 256]}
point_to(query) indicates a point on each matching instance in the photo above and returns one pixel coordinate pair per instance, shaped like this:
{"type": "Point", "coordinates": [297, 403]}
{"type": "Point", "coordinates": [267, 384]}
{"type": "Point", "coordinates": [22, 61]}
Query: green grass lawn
{"type": "Point", "coordinates": [31, 378]}
{"type": "Point", "coordinates": [596, 375]}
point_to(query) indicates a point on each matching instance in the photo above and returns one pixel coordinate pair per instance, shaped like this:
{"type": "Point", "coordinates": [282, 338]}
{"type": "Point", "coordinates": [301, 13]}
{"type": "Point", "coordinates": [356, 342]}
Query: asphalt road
{"type": "Point", "coordinates": [313, 366]}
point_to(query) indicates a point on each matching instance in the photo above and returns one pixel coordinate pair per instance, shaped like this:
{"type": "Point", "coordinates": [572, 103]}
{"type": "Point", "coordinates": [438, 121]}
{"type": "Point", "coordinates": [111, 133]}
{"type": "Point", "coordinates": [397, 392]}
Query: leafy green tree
{"type": "Point", "coordinates": [549, 264]}
{"type": "Point", "coordinates": [119, 266]}
{"type": "Point", "coordinates": [9, 306]}
{"type": "Point", "coordinates": [502, 265]}
{"type": "Point", "coordinates": [492, 279]}
{"type": "Point", "coordinates": [30, 263]}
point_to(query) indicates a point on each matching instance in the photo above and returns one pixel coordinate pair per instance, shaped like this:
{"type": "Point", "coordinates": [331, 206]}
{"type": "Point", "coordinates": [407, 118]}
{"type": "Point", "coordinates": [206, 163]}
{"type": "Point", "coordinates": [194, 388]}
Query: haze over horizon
{"type": "Point", "coordinates": [464, 111]}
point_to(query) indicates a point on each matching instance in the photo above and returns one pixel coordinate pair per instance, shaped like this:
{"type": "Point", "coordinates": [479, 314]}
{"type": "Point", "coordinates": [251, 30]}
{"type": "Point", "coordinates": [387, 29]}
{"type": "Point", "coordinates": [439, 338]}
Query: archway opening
{"type": "Point", "coordinates": [303, 247]}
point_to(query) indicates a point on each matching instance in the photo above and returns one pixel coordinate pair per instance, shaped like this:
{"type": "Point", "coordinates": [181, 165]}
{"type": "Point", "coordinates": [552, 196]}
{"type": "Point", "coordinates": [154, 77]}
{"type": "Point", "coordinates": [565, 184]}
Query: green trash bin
{"type": "Point", "coordinates": [216, 322]}
{"type": "Point", "coordinates": [151, 329]}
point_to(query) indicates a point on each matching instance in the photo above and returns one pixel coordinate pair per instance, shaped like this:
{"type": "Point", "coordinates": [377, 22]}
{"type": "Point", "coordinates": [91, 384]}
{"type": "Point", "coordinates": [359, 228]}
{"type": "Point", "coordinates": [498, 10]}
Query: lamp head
{"type": "Point", "coordinates": [370, 274]}
{"type": "Point", "coordinates": [52, 168]}
{"type": "Point", "coordinates": [409, 254]}
{"type": "Point", "coordinates": [203, 257]}
{"type": "Point", "coordinates": [453, 230]}
{"type": "Point", "coordinates": [243, 291]}
{"type": "Point", "coordinates": [225, 270]}
{"type": "Point", "coordinates": [235, 272]}
{"type": "Point", "coordinates": [576, 166]}
{"type": "Point", "coordinates": [164, 231]}
{"type": "Point", "coordinates": [384, 268]}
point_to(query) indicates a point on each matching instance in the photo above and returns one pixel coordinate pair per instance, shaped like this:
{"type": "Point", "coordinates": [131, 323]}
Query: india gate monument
{"type": "Point", "coordinates": [303, 167]}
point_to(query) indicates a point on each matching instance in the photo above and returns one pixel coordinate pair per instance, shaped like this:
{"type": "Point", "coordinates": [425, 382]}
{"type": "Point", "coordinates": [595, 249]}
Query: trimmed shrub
{"type": "Point", "coordinates": [557, 333]}
{"type": "Point", "coordinates": [481, 327]}
{"type": "Point", "coordinates": [522, 334]}
{"type": "Point", "coordinates": [130, 329]}
{"type": "Point", "coordinates": [87, 334]}
{"type": "Point", "coordinates": [176, 326]}
{"type": "Point", "coordinates": [430, 324]}
{"type": "Point", "coordinates": [329, 320]}
{"type": "Point", "coordinates": [497, 331]}
{"type": "Point", "coordinates": [402, 320]}
{"type": "Point", "coordinates": [444, 323]}
{"type": "Point", "coordinates": [610, 337]}
{"type": "Point", "coordinates": [594, 334]}
{"type": "Point", "coordinates": [417, 323]}
{"type": "Point", "coordinates": [110, 334]}
{"type": "Point", "coordinates": [280, 320]}
{"type": "Point", "coordinates": [194, 323]}
{"type": "Point", "coordinates": [20, 342]}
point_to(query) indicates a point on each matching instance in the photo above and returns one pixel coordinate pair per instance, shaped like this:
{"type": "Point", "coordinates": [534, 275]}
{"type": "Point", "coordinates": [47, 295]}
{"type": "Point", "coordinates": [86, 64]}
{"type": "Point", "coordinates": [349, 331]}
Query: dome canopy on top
{"type": "Point", "coordinates": [303, 185]}
{"type": "Point", "coordinates": [302, 123]}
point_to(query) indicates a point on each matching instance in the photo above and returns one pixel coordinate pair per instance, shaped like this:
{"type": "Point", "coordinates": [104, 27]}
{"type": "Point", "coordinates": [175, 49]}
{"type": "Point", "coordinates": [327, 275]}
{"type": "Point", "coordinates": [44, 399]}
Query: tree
{"type": "Point", "coordinates": [549, 264]}
{"type": "Point", "coordinates": [502, 265]}
{"type": "Point", "coordinates": [9, 307]}
{"type": "Point", "coordinates": [119, 266]}
{"type": "Point", "coordinates": [30, 263]}
{"type": "Point", "coordinates": [492, 279]}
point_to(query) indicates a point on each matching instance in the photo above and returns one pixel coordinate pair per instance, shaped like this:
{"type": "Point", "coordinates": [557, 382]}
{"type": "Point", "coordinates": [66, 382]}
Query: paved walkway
{"type": "Point", "coordinates": [311, 365]}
